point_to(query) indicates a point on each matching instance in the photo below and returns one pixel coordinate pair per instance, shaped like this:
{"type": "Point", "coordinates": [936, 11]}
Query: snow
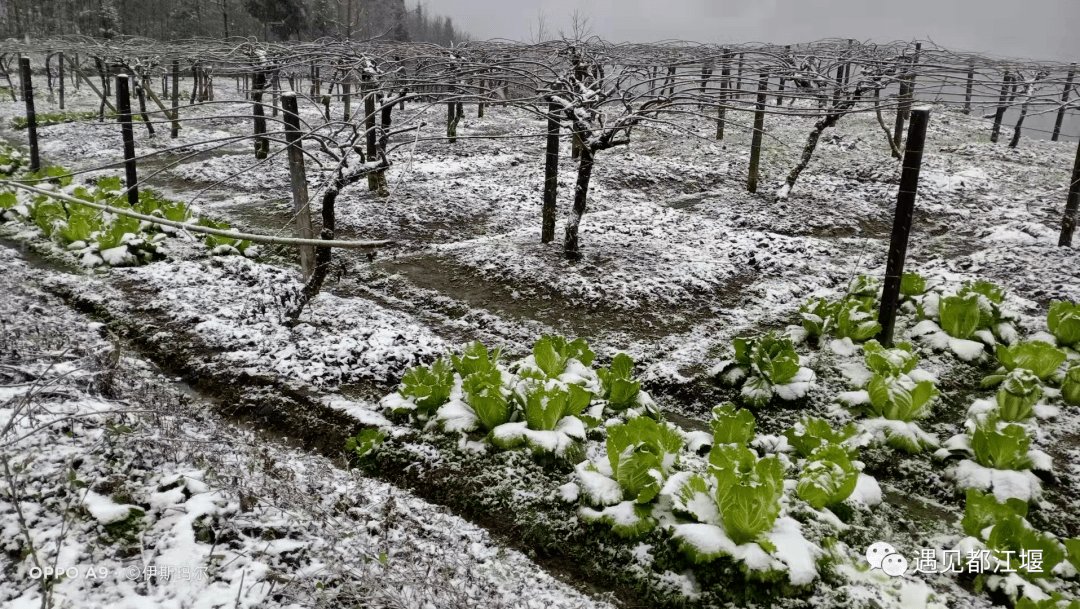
{"type": "Point", "coordinates": [598, 488]}
{"type": "Point", "coordinates": [867, 492]}
{"type": "Point", "coordinates": [795, 551]}
{"type": "Point", "coordinates": [104, 509]}
{"type": "Point", "coordinates": [1005, 484]}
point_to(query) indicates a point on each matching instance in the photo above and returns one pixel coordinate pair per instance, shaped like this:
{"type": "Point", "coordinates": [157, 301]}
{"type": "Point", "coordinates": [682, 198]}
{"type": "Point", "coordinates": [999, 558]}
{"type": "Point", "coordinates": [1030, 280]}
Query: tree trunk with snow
{"type": "Point", "coordinates": [581, 191]}
{"type": "Point", "coordinates": [298, 178]}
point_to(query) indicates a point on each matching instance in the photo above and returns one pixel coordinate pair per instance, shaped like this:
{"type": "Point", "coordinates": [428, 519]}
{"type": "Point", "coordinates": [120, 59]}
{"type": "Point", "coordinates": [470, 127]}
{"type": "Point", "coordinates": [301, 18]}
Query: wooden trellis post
{"type": "Point", "coordinates": [175, 132]}
{"type": "Point", "coordinates": [905, 211]}
{"type": "Point", "coordinates": [725, 83]}
{"type": "Point", "coordinates": [970, 84]}
{"type": "Point", "coordinates": [298, 178]}
{"type": "Point", "coordinates": [60, 74]}
{"type": "Point", "coordinates": [1068, 222]}
{"type": "Point", "coordinates": [31, 115]}
{"type": "Point", "coordinates": [1002, 101]}
{"type": "Point", "coordinates": [759, 126]}
{"type": "Point", "coordinates": [1061, 111]}
{"type": "Point", "coordinates": [123, 107]}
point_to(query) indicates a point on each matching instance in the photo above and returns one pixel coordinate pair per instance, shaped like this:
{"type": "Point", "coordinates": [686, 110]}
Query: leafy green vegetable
{"type": "Point", "coordinates": [828, 478]}
{"type": "Point", "coordinates": [544, 403]}
{"type": "Point", "coordinates": [1056, 601]}
{"type": "Point", "coordinates": [899, 398]}
{"type": "Point", "coordinates": [1064, 322]}
{"type": "Point", "coordinates": [483, 391]}
{"type": "Point", "coordinates": [475, 359]}
{"type": "Point", "coordinates": [1001, 446]}
{"type": "Point", "coordinates": [982, 510]}
{"type": "Point", "coordinates": [890, 362]}
{"type": "Point", "coordinates": [960, 315]}
{"type": "Point", "coordinates": [1012, 535]}
{"type": "Point", "coordinates": [818, 316]}
{"type": "Point", "coordinates": [857, 320]}
{"type": "Point", "coordinates": [113, 236]}
{"type": "Point", "coordinates": [1017, 395]}
{"type": "Point", "coordinates": [809, 433]}
{"type": "Point", "coordinates": [1039, 357]}
{"type": "Point", "coordinates": [731, 425]}
{"type": "Point", "coordinates": [552, 352]}
{"type": "Point", "coordinates": [1070, 385]}
{"type": "Point", "coordinates": [748, 491]}
{"type": "Point", "coordinates": [642, 453]}
{"type": "Point", "coordinates": [429, 387]}
{"type": "Point", "coordinates": [1072, 547]}
{"type": "Point", "coordinates": [764, 361]}
{"type": "Point", "coordinates": [619, 389]}
{"type": "Point", "coordinates": [365, 442]}
{"type": "Point", "coordinates": [912, 284]}
{"type": "Point", "coordinates": [865, 286]}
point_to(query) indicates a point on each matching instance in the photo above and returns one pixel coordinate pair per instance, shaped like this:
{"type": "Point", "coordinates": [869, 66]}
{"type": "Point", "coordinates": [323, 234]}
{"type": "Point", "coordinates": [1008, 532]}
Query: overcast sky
{"type": "Point", "coordinates": [1037, 29]}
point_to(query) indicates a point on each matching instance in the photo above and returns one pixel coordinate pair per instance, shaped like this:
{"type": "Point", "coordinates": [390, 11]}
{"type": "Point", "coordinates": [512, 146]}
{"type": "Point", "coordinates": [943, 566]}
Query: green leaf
{"type": "Point", "coordinates": [1072, 546]}
{"type": "Point", "coordinates": [110, 183]}
{"type": "Point", "coordinates": [545, 404]}
{"type": "Point", "coordinates": [855, 319]}
{"type": "Point", "coordinates": [8, 200]}
{"type": "Point", "coordinates": [1012, 534]}
{"type": "Point", "coordinates": [817, 316]}
{"type": "Point", "coordinates": [475, 359]}
{"type": "Point", "coordinates": [622, 366]}
{"type": "Point", "coordinates": [748, 493]}
{"type": "Point", "coordinates": [1001, 446]}
{"type": "Point", "coordinates": [365, 442]}
{"type": "Point", "coordinates": [889, 362]}
{"type": "Point", "coordinates": [1064, 322]}
{"type": "Point", "coordinates": [1070, 385]}
{"type": "Point", "coordinates": [483, 391]}
{"type": "Point", "coordinates": [960, 315]}
{"type": "Point", "coordinates": [430, 387]}
{"type": "Point", "coordinates": [578, 400]}
{"type": "Point", "coordinates": [983, 510]}
{"type": "Point", "coordinates": [992, 293]}
{"type": "Point", "coordinates": [547, 356]}
{"type": "Point", "coordinates": [1039, 357]}
{"type": "Point", "coordinates": [811, 432]}
{"type": "Point", "coordinates": [828, 478]}
{"type": "Point", "coordinates": [864, 285]}
{"type": "Point", "coordinates": [642, 453]}
{"type": "Point", "coordinates": [1018, 394]}
{"type": "Point", "coordinates": [732, 426]}
{"type": "Point", "coordinates": [912, 284]}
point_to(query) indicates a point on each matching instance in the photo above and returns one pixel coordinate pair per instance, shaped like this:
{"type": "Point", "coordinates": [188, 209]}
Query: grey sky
{"type": "Point", "coordinates": [1038, 29]}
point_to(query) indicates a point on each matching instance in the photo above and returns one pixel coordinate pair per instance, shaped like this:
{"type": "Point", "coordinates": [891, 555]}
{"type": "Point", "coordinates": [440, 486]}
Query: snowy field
{"type": "Point", "coordinates": [168, 414]}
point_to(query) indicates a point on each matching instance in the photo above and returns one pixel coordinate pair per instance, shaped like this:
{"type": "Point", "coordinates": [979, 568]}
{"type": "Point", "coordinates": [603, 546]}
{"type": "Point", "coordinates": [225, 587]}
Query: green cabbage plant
{"type": "Point", "coordinates": [748, 491]}
{"type": "Point", "coordinates": [483, 391]}
{"type": "Point", "coordinates": [620, 390]}
{"type": "Point", "coordinates": [475, 358]}
{"type": "Point", "coordinates": [827, 478]}
{"type": "Point", "coordinates": [810, 433]}
{"type": "Point", "coordinates": [761, 363]}
{"type": "Point", "coordinates": [552, 352]}
{"type": "Point", "coordinates": [1017, 395]}
{"type": "Point", "coordinates": [642, 453]}
{"type": "Point", "coordinates": [1070, 385]}
{"type": "Point", "coordinates": [1064, 322]}
{"type": "Point", "coordinates": [899, 398]}
{"type": "Point", "coordinates": [890, 362]}
{"type": "Point", "coordinates": [1041, 358]}
{"type": "Point", "coordinates": [1001, 446]}
{"type": "Point", "coordinates": [959, 315]}
{"type": "Point", "coordinates": [428, 386]}
{"type": "Point", "coordinates": [731, 425]}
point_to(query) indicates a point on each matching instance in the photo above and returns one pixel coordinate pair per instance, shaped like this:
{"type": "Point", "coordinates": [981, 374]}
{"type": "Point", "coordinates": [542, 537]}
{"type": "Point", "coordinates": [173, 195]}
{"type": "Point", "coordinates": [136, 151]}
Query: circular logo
{"type": "Point", "coordinates": [877, 553]}
{"type": "Point", "coordinates": [132, 572]}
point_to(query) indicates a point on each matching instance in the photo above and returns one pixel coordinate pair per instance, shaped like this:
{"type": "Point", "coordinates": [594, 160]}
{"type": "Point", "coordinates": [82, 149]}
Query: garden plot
{"type": "Point", "coordinates": [120, 473]}
{"type": "Point", "coordinates": [670, 232]}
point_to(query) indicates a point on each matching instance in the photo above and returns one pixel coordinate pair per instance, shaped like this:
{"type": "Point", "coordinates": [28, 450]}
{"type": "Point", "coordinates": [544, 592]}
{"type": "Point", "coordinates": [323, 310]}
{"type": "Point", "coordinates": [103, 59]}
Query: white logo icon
{"type": "Point", "coordinates": [894, 565]}
{"type": "Point", "coordinates": [877, 553]}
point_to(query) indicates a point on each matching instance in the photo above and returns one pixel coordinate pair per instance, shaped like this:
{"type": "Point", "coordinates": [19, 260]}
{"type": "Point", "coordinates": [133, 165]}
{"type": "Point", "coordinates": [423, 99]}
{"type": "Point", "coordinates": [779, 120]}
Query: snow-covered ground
{"type": "Point", "coordinates": [678, 259]}
{"type": "Point", "coordinates": [145, 497]}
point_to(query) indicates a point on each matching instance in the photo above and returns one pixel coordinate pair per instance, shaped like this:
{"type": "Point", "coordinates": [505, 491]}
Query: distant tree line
{"type": "Point", "coordinates": [265, 19]}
